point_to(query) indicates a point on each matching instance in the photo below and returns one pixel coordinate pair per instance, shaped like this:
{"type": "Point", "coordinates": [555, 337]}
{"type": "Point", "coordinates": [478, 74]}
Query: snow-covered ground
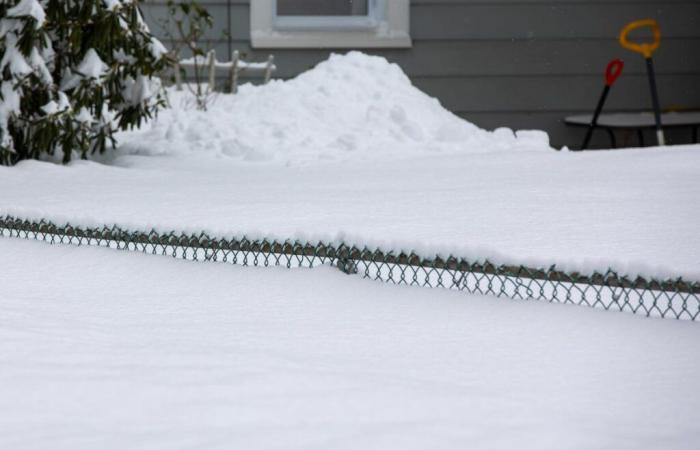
{"type": "Point", "coordinates": [103, 349]}
{"type": "Point", "coordinates": [634, 210]}
{"type": "Point", "coordinates": [351, 151]}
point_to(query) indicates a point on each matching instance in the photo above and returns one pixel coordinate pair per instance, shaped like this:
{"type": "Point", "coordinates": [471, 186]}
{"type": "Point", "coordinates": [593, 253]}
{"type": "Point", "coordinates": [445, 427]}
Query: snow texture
{"type": "Point", "coordinates": [8, 106]}
{"type": "Point", "coordinates": [13, 59]}
{"type": "Point", "coordinates": [157, 48]}
{"type": "Point", "coordinates": [30, 8]}
{"type": "Point", "coordinates": [110, 350]}
{"type": "Point", "coordinates": [112, 5]}
{"type": "Point", "coordinates": [140, 90]}
{"type": "Point", "coordinates": [91, 68]}
{"type": "Point", "coordinates": [62, 105]}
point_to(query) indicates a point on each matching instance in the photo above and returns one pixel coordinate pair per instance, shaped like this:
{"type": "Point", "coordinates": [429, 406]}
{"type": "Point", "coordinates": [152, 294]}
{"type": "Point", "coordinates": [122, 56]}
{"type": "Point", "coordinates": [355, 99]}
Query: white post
{"type": "Point", "coordinates": [212, 70]}
{"type": "Point", "coordinates": [234, 72]}
{"type": "Point", "coordinates": [660, 137]}
{"type": "Point", "coordinates": [268, 69]}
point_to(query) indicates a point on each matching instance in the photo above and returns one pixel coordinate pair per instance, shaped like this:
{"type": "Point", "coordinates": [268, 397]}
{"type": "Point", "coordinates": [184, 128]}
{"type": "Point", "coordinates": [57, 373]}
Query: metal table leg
{"type": "Point", "coordinates": [613, 142]}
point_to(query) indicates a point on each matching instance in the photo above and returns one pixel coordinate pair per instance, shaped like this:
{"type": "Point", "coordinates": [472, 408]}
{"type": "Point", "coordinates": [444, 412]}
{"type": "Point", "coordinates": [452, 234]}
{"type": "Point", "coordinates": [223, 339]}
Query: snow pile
{"type": "Point", "coordinates": [352, 106]}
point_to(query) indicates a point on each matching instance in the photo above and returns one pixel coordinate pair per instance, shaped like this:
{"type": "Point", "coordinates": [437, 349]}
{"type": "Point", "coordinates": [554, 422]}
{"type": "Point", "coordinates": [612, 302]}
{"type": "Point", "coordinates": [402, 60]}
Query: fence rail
{"type": "Point", "coordinates": [236, 68]}
{"type": "Point", "coordinates": [673, 298]}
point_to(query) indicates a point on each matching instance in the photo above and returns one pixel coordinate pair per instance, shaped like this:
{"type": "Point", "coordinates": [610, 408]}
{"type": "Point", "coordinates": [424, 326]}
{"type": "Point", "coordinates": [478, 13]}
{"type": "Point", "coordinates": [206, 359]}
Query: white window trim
{"type": "Point", "coordinates": [386, 26]}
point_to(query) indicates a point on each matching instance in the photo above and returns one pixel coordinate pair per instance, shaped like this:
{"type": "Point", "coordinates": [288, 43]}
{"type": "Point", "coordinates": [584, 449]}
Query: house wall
{"type": "Point", "coordinates": [515, 63]}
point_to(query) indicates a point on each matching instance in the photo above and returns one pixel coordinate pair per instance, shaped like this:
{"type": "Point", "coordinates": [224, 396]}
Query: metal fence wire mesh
{"type": "Point", "coordinates": [673, 298]}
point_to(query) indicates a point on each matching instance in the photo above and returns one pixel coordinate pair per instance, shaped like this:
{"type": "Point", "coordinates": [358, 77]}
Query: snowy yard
{"type": "Point", "coordinates": [351, 151]}
{"type": "Point", "coordinates": [102, 349]}
{"type": "Point", "coordinates": [633, 210]}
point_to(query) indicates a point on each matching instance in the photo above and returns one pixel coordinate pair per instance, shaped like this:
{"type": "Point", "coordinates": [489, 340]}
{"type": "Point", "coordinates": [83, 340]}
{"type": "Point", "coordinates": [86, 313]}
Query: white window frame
{"type": "Point", "coordinates": [385, 26]}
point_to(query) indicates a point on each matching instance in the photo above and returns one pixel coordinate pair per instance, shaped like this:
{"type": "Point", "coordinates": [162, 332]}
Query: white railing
{"type": "Point", "coordinates": [235, 68]}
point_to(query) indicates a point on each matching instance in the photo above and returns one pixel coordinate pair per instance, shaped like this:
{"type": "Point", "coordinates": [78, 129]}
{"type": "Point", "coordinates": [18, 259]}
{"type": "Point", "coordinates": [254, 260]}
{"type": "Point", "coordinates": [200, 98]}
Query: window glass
{"type": "Point", "coordinates": [330, 23]}
{"type": "Point", "coordinates": [322, 7]}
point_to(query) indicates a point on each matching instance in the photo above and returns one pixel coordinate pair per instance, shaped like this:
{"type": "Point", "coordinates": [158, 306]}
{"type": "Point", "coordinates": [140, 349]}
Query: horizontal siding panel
{"type": "Point", "coordinates": [154, 14]}
{"type": "Point", "coordinates": [498, 20]}
{"type": "Point", "coordinates": [451, 2]}
{"type": "Point", "coordinates": [498, 58]}
{"type": "Point", "coordinates": [520, 2]}
{"type": "Point", "coordinates": [548, 20]}
{"type": "Point", "coordinates": [205, 3]}
{"type": "Point", "coordinates": [558, 93]}
{"type": "Point", "coordinates": [534, 57]}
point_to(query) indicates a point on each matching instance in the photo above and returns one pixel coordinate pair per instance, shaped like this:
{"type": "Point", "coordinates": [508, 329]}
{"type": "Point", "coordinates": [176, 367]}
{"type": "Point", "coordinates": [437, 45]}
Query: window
{"type": "Point", "coordinates": [329, 23]}
{"type": "Point", "coordinates": [322, 7]}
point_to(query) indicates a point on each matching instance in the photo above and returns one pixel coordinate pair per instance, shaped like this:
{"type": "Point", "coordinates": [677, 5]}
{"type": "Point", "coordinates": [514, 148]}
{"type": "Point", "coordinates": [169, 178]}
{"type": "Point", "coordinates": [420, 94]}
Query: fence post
{"type": "Point", "coordinates": [178, 76]}
{"type": "Point", "coordinates": [212, 70]}
{"type": "Point", "coordinates": [268, 69]}
{"type": "Point", "coordinates": [233, 76]}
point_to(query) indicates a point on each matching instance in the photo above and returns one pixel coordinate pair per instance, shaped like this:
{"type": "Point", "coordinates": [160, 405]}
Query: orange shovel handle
{"type": "Point", "coordinates": [646, 48]}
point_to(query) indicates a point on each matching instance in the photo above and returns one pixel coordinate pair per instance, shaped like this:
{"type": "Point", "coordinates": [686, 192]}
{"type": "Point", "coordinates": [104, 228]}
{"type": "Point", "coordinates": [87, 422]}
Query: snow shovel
{"type": "Point", "coordinates": [612, 72]}
{"type": "Point", "coordinates": [647, 49]}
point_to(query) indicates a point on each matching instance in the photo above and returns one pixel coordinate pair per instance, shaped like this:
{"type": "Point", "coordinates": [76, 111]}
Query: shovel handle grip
{"type": "Point", "coordinates": [646, 48]}
{"type": "Point", "coordinates": [613, 71]}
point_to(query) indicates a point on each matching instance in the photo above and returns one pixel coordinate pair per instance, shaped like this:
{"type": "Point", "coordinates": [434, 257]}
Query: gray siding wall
{"type": "Point", "coordinates": [515, 63]}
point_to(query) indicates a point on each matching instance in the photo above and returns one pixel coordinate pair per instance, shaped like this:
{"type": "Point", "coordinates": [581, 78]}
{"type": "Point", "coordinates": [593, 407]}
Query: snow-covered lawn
{"type": "Point", "coordinates": [351, 151]}
{"type": "Point", "coordinates": [634, 210]}
{"type": "Point", "coordinates": [102, 349]}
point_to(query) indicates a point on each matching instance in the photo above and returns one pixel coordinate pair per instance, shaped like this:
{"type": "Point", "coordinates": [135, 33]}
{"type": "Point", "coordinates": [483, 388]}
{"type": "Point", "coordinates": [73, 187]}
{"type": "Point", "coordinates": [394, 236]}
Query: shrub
{"type": "Point", "coordinates": [185, 26]}
{"type": "Point", "coordinates": [72, 73]}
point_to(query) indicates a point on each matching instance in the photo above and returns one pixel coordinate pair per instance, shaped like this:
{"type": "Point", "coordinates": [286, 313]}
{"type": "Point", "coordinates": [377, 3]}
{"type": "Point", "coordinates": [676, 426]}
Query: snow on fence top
{"type": "Point", "coordinates": [204, 61]}
{"type": "Point", "coordinates": [672, 298]}
{"type": "Point", "coordinates": [349, 107]}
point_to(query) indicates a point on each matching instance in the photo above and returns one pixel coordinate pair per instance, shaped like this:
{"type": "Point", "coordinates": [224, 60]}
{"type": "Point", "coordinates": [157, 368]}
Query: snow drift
{"type": "Point", "coordinates": [351, 106]}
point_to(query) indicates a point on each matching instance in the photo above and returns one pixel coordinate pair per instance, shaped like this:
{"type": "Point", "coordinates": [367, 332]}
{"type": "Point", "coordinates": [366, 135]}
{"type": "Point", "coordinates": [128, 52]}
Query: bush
{"type": "Point", "coordinates": [185, 25]}
{"type": "Point", "coordinates": [72, 73]}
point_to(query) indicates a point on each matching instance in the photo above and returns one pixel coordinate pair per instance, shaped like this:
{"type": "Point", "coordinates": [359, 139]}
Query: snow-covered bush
{"type": "Point", "coordinates": [72, 73]}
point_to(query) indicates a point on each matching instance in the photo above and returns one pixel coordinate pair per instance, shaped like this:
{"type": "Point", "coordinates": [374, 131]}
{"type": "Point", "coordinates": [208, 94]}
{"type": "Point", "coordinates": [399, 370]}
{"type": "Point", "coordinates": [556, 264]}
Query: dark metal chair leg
{"type": "Point", "coordinates": [640, 135]}
{"type": "Point", "coordinates": [613, 142]}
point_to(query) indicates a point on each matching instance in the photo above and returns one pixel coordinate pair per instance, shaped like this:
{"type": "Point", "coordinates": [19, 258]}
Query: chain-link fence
{"type": "Point", "coordinates": [674, 298]}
